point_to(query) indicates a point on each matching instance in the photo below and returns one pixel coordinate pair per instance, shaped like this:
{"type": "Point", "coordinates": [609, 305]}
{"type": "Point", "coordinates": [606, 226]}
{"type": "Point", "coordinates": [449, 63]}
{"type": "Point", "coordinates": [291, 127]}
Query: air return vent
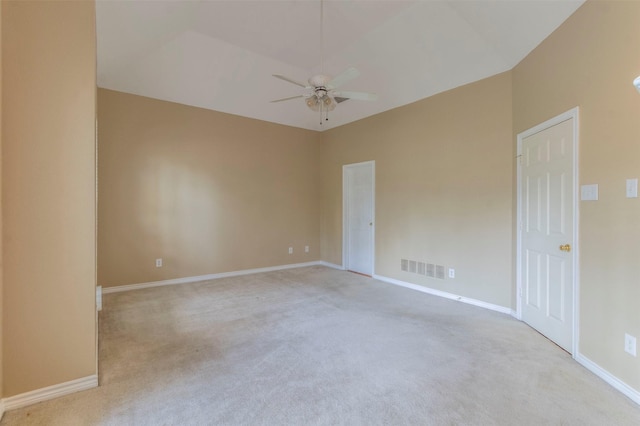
{"type": "Point", "coordinates": [404, 265]}
{"type": "Point", "coordinates": [440, 272]}
{"type": "Point", "coordinates": [431, 270]}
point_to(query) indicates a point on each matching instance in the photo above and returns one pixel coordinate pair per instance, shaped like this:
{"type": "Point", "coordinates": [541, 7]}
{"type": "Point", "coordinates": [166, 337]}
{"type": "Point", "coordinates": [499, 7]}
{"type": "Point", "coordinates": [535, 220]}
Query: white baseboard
{"type": "Point", "coordinates": [331, 265]}
{"type": "Point", "coordinates": [129, 287]}
{"type": "Point", "coordinates": [618, 384]}
{"type": "Point", "coordinates": [50, 392]}
{"type": "Point", "coordinates": [446, 295]}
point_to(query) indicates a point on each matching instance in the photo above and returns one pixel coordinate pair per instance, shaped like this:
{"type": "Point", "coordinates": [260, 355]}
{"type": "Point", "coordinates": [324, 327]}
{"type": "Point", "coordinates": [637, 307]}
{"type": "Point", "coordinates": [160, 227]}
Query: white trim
{"type": "Point", "coordinates": [331, 265]}
{"type": "Point", "coordinates": [618, 384]}
{"type": "Point", "coordinates": [99, 298]}
{"type": "Point", "coordinates": [50, 392]}
{"type": "Point", "coordinates": [345, 213]}
{"type": "Point", "coordinates": [446, 295]}
{"type": "Point", "coordinates": [572, 114]}
{"type": "Point", "coordinates": [186, 280]}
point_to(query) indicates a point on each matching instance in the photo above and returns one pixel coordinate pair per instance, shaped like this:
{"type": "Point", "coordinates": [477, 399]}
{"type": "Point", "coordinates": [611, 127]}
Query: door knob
{"type": "Point", "coordinates": [565, 247]}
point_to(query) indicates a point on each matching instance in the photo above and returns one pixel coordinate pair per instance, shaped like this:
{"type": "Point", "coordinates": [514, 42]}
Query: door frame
{"type": "Point", "coordinates": [345, 214]}
{"type": "Point", "coordinates": [568, 115]}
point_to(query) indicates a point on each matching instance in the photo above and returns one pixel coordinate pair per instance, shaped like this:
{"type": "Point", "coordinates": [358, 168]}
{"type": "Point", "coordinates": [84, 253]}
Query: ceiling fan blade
{"type": "Point", "coordinates": [297, 83]}
{"type": "Point", "coordinates": [343, 77]}
{"type": "Point", "coordinates": [288, 99]}
{"type": "Point", "coordinates": [360, 96]}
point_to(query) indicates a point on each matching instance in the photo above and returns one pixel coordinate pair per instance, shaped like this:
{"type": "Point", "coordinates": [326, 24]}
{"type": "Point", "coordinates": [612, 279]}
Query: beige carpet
{"type": "Point", "coordinates": [316, 346]}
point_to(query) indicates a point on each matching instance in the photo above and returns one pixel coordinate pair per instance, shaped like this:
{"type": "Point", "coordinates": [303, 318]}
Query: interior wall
{"type": "Point", "coordinates": [590, 62]}
{"type": "Point", "coordinates": [205, 191]}
{"type": "Point", "coordinates": [443, 188]}
{"type": "Point", "coordinates": [1, 260]}
{"type": "Point", "coordinates": [48, 190]}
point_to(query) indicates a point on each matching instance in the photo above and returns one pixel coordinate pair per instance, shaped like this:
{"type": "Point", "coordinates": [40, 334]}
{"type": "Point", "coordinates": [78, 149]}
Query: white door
{"type": "Point", "coordinates": [358, 205]}
{"type": "Point", "coordinates": [547, 231]}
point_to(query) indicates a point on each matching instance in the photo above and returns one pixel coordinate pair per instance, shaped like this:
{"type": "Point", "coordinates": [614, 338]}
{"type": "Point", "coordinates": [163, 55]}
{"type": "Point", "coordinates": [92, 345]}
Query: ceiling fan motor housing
{"type": "Point", "coordinates": [320, 92]}
{"type": "Point", "coordinates": [319, 80]}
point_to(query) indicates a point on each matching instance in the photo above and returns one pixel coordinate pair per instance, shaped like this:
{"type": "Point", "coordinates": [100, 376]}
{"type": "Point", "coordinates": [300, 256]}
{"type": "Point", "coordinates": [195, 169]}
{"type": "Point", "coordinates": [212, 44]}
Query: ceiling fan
{"type": "Point", "coordinates": [321, 94]}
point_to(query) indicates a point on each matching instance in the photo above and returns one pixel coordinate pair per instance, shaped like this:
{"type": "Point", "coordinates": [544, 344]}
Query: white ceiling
{"type": "Point", "coordinates": [221, 55]}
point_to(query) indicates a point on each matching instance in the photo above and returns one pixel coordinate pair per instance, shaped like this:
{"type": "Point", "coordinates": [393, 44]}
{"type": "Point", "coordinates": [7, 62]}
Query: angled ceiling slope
{"type": "Point", "coordinates": [221, 55]}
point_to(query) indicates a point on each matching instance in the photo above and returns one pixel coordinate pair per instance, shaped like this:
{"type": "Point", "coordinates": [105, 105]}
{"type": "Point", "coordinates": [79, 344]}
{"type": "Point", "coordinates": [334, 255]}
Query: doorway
{"type": "Point", "coordinates": [547, 228]}
{"type": "Point", "coordinates": [358, 201]}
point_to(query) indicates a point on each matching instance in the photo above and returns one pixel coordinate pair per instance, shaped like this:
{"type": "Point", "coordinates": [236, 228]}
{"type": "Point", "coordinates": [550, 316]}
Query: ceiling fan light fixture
{"type": "Point", "coordinates": [329, 103]}
{"type": "Point", "coordinates": [313, 104]}
{"type": "Point", "coordinates": [636, 83]}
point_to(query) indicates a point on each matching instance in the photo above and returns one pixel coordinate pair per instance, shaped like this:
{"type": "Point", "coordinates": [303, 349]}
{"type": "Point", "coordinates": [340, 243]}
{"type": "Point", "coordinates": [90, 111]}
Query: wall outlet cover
{"type": "Point", "coordinates": [630, 344]}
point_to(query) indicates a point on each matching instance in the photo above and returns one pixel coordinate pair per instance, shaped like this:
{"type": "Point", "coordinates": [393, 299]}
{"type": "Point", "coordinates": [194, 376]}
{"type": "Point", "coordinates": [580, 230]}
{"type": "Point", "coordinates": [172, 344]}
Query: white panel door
{"type": "Point", "coordinates": [547, 215]}
{"type": "Point", "coordinates": [358, 217]}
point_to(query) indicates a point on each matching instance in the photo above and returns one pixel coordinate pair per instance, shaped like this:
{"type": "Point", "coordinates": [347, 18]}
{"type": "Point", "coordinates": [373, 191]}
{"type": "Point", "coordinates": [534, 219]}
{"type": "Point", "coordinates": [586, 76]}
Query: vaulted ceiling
{"type": "Point", "coordinates": [221, 55]}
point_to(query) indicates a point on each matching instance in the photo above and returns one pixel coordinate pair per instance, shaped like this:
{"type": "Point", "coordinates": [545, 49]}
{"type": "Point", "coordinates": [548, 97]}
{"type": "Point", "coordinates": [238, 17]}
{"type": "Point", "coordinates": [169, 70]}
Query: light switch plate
{"type": "Point", "coordinates": [632, 188]}
{"type": "Point", "coordinates": [589, 192]}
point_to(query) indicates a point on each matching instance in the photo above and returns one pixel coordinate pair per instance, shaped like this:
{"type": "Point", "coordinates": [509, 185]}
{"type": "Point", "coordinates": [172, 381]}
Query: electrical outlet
{"type": "Point", "coordinates": [290, 250]}
{"type": "Point", "coordinates": [630, 344]}
{"type": "Point", "coordinates": [159, 263]}
{"type": "Point", "coordinates": [452, 273]}
{"type": "Point", "coordinates": [306, 249]}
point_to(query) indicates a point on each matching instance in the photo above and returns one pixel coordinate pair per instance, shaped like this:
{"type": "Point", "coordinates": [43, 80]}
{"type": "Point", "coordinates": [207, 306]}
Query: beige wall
{"type": "Point", "coordinates": [590, 62]}
{"type": "Point", "coordinates": [48, 189]}
{"type": "Point", "coordinates": [443, 188]}
{"type": "Point", "coordinates": [210, 192]}
{"type": "Point", "coordinates": [205, 191]}
{"type": "Point", "coordinates": [1, 260]}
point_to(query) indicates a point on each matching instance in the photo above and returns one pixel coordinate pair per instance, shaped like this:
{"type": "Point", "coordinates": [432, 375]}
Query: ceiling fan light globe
{"type": "Point", "coordinates": [313, 103]}
{"type": "Point", "coordinates": [329, 103]}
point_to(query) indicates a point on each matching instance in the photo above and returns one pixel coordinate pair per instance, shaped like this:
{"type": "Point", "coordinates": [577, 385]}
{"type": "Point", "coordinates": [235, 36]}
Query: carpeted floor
{"type": "Point", "coordinates": [316, 346]}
